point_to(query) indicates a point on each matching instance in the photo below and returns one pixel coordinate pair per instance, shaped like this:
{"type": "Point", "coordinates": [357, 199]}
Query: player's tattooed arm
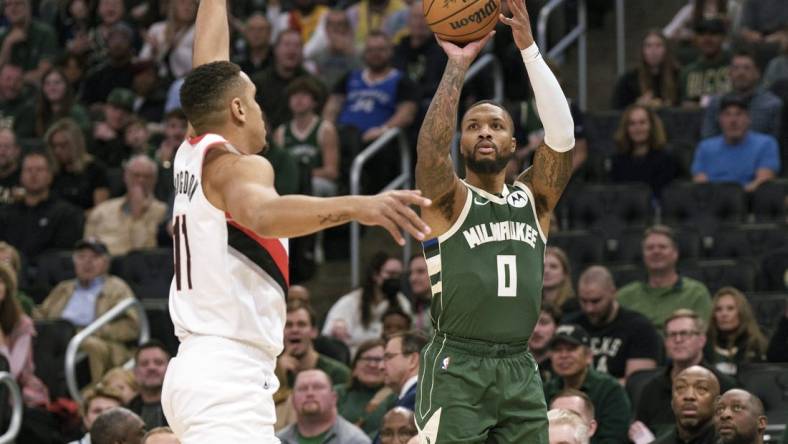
{"type": "Point", "coordinates": [547, 177]}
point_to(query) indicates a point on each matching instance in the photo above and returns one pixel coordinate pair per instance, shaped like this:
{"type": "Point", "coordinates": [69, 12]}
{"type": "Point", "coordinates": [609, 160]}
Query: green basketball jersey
{"type": "Point", "coordinates": [305, 150]}
{"type": "Point", "coordinates": [486, 270]}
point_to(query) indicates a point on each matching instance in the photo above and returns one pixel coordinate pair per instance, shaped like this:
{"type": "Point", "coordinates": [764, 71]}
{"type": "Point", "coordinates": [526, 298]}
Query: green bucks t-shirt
{"type": "Point", "coordinates": [314, 439]}
{"type": "Point", "coordinates": [486, 271]}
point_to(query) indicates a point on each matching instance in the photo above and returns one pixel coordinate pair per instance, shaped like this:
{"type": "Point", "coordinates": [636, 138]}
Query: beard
{"type": "Point", "coordinates": [488, 166]}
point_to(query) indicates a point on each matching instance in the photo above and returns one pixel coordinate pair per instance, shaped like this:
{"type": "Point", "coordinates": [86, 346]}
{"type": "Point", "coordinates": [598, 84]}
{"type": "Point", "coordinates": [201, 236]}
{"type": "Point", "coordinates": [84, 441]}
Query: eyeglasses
{"type": "Point", "coordinates": [682, 335]}
{"type": "Point", "coordinates": [371, 359]}
{"type": "Point", "coordinates": [402, 435]}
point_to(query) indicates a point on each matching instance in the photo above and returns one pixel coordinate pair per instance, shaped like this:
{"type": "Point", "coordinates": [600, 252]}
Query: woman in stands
{"type": "Point", "coordinates": [122, 381]}
{"type": "Point", "coordinates": [654, 82]}
{"type": "Point", "coordinates": [557, 287]}
{"type": "Point", "coordinates": [16, 341]}
{"type": "Point", "coordinates": [733, 335]}
{"type": "Point", "coordinates": [10, 256]}
{"type": "Point", "coordinates": [55, 101]}
{"type": "Point", "coordinates": [79, 178]}
{"type": "Point", "coordinates": [364, 399]}
{"type": "Point", "coordinates": [641, 155]}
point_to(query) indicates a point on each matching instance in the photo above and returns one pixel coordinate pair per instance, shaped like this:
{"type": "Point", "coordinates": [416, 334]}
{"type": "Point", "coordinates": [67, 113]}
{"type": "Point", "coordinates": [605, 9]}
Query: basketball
{"type": "Point", "coordinates": [461, 21]}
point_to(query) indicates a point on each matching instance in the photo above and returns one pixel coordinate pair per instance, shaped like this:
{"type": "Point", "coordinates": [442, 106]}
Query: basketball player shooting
{"type": "Point", "coordinates": [478, 382]}
{"type": "Point", "coordinates": [227, 298]}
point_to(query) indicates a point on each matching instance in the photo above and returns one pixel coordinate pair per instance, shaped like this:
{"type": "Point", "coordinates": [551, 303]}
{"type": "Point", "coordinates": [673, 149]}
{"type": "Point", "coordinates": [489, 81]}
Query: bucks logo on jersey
{"type": "Point", "coordinates": [486, 271]}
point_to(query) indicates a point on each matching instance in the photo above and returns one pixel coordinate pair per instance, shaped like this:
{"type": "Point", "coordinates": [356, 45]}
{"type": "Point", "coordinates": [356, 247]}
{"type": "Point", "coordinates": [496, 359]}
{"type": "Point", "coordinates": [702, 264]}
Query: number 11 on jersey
{"type": "Point", "coordinates": [180, 235]}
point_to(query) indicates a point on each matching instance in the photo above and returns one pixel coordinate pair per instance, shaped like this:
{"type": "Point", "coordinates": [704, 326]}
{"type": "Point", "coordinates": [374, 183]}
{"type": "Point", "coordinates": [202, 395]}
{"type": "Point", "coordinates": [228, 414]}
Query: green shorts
{"type": "Point", "coordinates": [479, 392]}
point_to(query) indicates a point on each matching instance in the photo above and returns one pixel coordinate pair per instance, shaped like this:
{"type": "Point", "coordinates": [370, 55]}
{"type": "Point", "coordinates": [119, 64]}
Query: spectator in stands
{"type": "Point", "coordinates": [315, 404]}
{"type": "Point", "coordinates": [576, 401]}
{"type": "Point", "coordinates": [694, 392]}
{"type": "Point", "coordinates": [566, 427]}
{"type": "Point", "coordinates": [10, 154]}
{"type": "Point", "coordinates": [739, 418]}
{"type": "Point", "coordinates": [272, 82]}
{"type": "Point", "coordinates": [79, 178]}
{"type": "Point", "coordinates": [571, 356]}
{"type": "Point", "coordinates": [10, 257]}
{"type": "Point", "coordinates": [369, 16]}
{"type": "Point", "coordinates": [685, 337]}
{"type": "Point", "coordinates": [739, 154]}
{"type": "Point", "coordinates": [160, 435]}
{"type": "Point", "coordinates": [149, 92]}
{"type": "Point", "coordinates": [13, 93]}
{"type": "Point", "coordinates": [420, 293]}
{"type": "Point", "coordinates": [339, 55]}
{"type": "Point", "coordinates": [40, 221]}
{"type": "Point", "coordinates": [307, 17]}
{"type": "Point", "coordinates": [778, 345]}
{"type": "Point", "coordinates": [356, 316]}
{"type": "Point", "coordinates": [299, 293]}
{"type": "Point", "coordinates": [641, 154]}
{"type": "Point", "coordinates": [54, 101]}
{"type": "Point", "coordinates": [764, 21]}
{"type": "Point", "coordinates": [115, 69]}
{"type": "Point", "coordinates": [763, 107]}
{"type": "Point", "coordinates": [84, 299]}
{"type": "Point", "coordinates": [117, 426]}
{"type": "Point", "coordinates": [682, 27]}
{"type": "Point", "coordinates": [175, 127]}
{"type": "Point", "coordinates": [777, 69]}
{"type": "Point", "coordinates": [365, 399]}
{"type": "Point", "coordinates": [150, 365]}
{"type": "Point", "coordinates": [108, 14]}
{"type": "Point", "coordinates": [708, 75]}
{"type": "Point", "coordinates": [312, 141]}
{"type": "Point", "coordinates": [16, 341]}
{"type": "Point", "coordinates": [130, 222]}
{"type": "Point", "coordinates": [539, 342]}
{"type": "Point", "coordinates": [27, 42]}
{"type": "Point", "coordinates": [557, 286]}
{"type": "Point", "coordinates": [395, 321]}
{"type": "Point", "coordinates": [399, 426]}
{"type": "Point", "coordinates": [170, 41]}
{"type": "Point", "coordinates": [664, 291]}
{"type": "Point", "coordinates": [123, 382]}
{"type": "Point", "coordinates": [108, 141]}
{"type": "Point", "coordinates": [623, 341]}
{"type": "Point", "coordinates": [136, 137]}
{"type": "Point", "coordinates": [734, 335]}
{"type": "Point", "coordinates": [654, 83]}
{"type": "Point", "coordinates": [95, 402]}
{"type": "Point", "coordinates": [401, 366]}
{"type": "Point", "coordinates": [253, 51]}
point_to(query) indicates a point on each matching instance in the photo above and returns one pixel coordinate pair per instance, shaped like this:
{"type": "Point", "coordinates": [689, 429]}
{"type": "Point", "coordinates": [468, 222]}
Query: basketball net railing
{"type": "Point", "coordinates": [72, 355]}
{"type": "Point", "coordinates": [9, 436]}
{"type": "Point", "coordinates": [403, 181]}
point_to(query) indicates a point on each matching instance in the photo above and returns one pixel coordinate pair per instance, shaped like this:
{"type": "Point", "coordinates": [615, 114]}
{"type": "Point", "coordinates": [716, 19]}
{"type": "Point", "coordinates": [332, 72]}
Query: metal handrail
{"type": "Point", "coordinates": [401, 181]}
{"type": "Point", "coordinates": [16, 416]}
{"type": "Point", "coordinates": [578, 33]}
{"type": "Point", "coordinates": [73, 346]}
{"type": "Point", "coordinates": [621, 61]}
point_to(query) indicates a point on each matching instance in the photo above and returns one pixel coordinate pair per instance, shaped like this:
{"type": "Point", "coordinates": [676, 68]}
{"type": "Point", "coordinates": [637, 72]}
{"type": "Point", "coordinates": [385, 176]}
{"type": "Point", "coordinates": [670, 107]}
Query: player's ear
{"type": "Point", "coordinates": [237, 110]}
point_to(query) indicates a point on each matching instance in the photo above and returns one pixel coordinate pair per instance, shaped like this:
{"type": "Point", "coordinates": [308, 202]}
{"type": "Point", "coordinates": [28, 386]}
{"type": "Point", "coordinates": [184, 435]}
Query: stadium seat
{"type": "Point", "coordinates": [720, 273]}
{"type": "Point", "coordinates": [768, 201]}
{"type": "Point", "coordinates": [768, 308]}
{"type": "Point", "coordinates": [600, 128]}
{"type": "Point", "coordinates": [611, 208]}
{"type": "Point", "coordinates": [748, 240]}
{"type": "Point", "coordinates": [682, 125]}
{"type": "Point", "coordinates": [624, 274]}
{"type": "Point", "coordinates": [769, 382]}
{"type": "Point", "coordinates": [148, 272]}
{"type": "Point", "coordinates": [583, 247]}
{"type": "Point", "coordinates": [49, 354]}
{"type": "Point", "coordinates": [637, 381]}
{"type": "Point", "coordinates": [703, 206]}
{"type": "Point", "coordinates": [628, 247]}
{"type": "Point", "coordinates": [774, 271]}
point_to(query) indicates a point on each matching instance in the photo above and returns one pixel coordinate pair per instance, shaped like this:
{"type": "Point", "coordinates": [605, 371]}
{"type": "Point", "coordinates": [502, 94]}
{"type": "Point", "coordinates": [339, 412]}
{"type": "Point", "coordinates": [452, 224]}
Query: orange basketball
{"type": "Point", "coordinates": [461, 21]}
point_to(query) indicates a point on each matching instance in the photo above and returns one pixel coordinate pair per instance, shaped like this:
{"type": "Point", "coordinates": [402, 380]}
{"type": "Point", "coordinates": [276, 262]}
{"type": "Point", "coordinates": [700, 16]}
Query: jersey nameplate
{"type": "Point", "coordinates": [186, 183]}
{"type": "Point", "coordinates": [500, 232]}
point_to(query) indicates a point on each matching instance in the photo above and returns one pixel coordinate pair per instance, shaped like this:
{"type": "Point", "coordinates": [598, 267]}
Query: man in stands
{"type": "Point", "coordinates": [96, 401]}
{"type": "Point", "coordinates": [694, 391]}
{"type": "Point", "coordinates": [739, 418]}
{"type": "Point", "coordinates": [27, 42]}
{"type": "Point", "coordinates": [315, 403]}
{"type": "Point", "coordinates": [150, 365]}
{"type": "Point", "coordinates": [117, 426]}
{"type": "Point", "coordinates": [539, 342]}
{"type": "Point", "coordinates": [708, 75]}
{"type": "Point", "coordinates": [401, 366]}
{"type": "Point", "coordinates": [398, 426]}
{"type": "Point", "coordinates": [84, 299]}
{"type": "Point", "coordinates": [664, 291]}
{"type": "Point", "coordinates": [14, 95]}
{"type": "Point", "coordinates": [9, 166]}
{"type": "Point", "coordinates": [566, 427]}
{"type": "Point", "coordinates": [578, 402]}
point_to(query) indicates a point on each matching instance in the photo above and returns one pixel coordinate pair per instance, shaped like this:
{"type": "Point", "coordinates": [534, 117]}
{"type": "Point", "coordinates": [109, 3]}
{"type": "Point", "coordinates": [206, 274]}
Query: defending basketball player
{"type": "Point", "coordinates": [227, 298]}
{"type": "Point", "coordinates": [478, 382]}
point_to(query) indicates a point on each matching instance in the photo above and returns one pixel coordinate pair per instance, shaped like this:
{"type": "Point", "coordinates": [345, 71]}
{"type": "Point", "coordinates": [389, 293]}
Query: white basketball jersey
{"type": "Point", "coordinates": [228, 281]}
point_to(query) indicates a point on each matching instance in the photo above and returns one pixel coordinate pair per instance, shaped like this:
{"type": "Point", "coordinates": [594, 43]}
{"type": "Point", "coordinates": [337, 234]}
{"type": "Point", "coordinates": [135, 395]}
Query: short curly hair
{"type": "Point", "coordinates": [204, 92]}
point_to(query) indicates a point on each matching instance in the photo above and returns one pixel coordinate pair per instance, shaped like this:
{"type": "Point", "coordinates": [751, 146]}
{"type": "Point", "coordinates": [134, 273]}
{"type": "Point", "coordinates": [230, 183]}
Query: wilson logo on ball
{"type": "Point", "coordinates": [490, 8]}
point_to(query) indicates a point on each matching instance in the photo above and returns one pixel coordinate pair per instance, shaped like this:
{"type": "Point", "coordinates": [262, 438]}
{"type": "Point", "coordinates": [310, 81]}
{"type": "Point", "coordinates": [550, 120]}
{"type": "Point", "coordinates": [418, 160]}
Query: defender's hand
{"type": "Point", "coordinates": [466, 54]}
{"type": "Point", "coordinates": [520, 23]}
{"type": "Point", "coordinates": [391, 210]}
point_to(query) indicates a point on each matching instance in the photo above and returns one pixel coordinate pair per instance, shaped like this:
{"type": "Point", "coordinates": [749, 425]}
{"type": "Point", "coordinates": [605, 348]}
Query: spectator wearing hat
{"type": "Point", "coordinates": [27, 42]}
{"type": "Point", "coordinates": [312, 141]}
{"type": "Point", "coordinates": [115, 69]}
{"type": "Point", "coordinates": [108, 141]}
{"type": "Point", "coordinates": [739, 154]}
{"type": "Point", "coordinates": [40, 221]}
{"type": "Point", "coordinates": [130, 222]}
{"type": "Point", "coordinates": [571, 359]}
{"type": "Point", "coordinates": [708, 75]}
{"type": "Point", "coordinates": [763, 107]}
{"type": "Point", "coordinates": [84, 299]}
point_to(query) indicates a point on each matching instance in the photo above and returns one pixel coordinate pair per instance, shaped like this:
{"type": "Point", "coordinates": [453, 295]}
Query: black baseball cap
{"type": "Point", "coordinates": [711, 26]}
{"type": "Point", "coordinates": [572, 334]}
{"type": "Point", "coordinates": [93, 244]}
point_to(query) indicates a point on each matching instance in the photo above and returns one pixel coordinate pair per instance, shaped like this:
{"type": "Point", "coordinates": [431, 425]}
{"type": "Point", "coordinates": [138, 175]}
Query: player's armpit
{"type": "Point", "coordinates": [547, 178]}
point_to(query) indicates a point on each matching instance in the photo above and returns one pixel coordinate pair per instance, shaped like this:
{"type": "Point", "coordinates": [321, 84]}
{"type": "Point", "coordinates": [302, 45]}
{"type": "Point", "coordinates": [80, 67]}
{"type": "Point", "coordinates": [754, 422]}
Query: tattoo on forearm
{"type": "Point", "coordinates": [331, 218]}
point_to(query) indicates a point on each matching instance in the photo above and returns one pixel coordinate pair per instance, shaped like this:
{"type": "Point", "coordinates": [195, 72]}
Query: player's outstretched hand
{"type": "Point", "coordinates": [391, 210]}
{"type": "Point", "coordinates": [520, 23]}
{"type": "Point", "coordinates": [466, 54]}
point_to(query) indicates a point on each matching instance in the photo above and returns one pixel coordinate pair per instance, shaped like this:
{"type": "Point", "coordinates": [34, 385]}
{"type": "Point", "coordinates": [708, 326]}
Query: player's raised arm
{"type": "Point", "coordinates": [211, 33]}
{"type": "Point", "coordinates": [552, 165]}
{"type": "Point", "coordinates": [435, 175]}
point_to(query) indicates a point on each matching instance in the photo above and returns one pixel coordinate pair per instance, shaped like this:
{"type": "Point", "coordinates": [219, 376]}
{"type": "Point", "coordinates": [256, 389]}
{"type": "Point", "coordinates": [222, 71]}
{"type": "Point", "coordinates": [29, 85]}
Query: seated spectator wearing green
{"type": "Point", "coordinates": [664, 291]}
{"type": "Point", "coordinates": [708, 75]}
{"type": "Point", "coordinates": [364, 400]}
{"type": "Point", "coordinates": [27, 42]}
{"type": "Point", "coordinates": [14, 94]}
{"type": "Point", "coordinates": [571, 359]}
{"type": "Point", "coordinates": [734, 335]}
